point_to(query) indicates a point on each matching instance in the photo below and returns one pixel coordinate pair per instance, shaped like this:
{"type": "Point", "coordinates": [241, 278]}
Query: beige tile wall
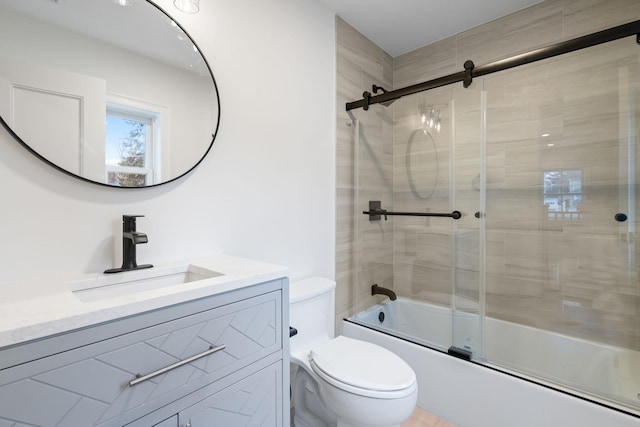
{"type": "Point", "coordinates": [572, 277]}
{"type": "Point", "coordinates": [360, 64]}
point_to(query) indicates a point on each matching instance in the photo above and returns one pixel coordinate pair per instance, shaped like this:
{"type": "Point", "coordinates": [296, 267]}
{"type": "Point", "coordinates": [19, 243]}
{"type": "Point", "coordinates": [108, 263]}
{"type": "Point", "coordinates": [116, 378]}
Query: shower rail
{"type": "Point", "coordinates": [471, 71]}
{"type": "Point", "coordinates": [376, 212]}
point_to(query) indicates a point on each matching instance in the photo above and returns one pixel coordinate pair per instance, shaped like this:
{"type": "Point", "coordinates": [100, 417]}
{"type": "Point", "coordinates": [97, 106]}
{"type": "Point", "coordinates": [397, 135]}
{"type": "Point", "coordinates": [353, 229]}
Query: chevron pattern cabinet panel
{"type": "Point", "coordinates": [250, 402]}
{"type": "Point", "coordinates": [89, 386]}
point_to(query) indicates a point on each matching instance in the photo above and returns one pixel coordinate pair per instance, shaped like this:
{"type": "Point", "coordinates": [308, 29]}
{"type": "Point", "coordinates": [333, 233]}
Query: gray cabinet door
{"type": "Point", "coordinates": [253, 401]}
{"type": "Point", "coordinates": [90, 386]}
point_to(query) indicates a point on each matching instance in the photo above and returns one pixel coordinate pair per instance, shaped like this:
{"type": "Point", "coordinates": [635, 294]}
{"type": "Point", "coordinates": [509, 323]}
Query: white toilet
{"type": "Point", "coordinates": [342, 382]}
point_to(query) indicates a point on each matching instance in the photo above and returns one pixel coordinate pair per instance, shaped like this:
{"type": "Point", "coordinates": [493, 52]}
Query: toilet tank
{"type": "Point", "coordinates": [311, 312]}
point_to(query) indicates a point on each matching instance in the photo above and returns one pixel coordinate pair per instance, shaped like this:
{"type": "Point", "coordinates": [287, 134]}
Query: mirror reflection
{"type": "Point", "coordinates": [114, 94]}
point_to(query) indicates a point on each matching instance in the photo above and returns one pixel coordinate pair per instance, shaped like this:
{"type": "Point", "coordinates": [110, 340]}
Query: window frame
{"type": "Point", "coordinates": [157, 139]}
{"type": "Point", "coordinates": [563, 215]}
{"type": "Point", "coordinates": [149, 122]}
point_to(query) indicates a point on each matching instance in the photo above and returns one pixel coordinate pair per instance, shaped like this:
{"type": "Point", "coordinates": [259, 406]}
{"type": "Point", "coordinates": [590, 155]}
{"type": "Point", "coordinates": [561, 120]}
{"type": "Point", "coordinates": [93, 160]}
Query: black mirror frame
{"type": "Point", "coordinates": [103, 184]}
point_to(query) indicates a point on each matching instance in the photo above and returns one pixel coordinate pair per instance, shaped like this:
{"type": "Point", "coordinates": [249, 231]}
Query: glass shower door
{"type": "Point", "coordinates": [423, 245]}
{"type": "Point", "coordinates": [373, 181]}
{"type": "Point", "coordinates": [561, 270]}
{"type": "Point", "coordinates": [437, 171]}
{"type": "Point", "coordinates": [467, 194]}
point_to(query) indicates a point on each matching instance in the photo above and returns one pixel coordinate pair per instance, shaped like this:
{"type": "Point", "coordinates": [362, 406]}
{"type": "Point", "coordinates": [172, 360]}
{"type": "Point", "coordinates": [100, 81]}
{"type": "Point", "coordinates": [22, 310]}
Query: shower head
{"type": "Point", "coordinates": [376, 88]}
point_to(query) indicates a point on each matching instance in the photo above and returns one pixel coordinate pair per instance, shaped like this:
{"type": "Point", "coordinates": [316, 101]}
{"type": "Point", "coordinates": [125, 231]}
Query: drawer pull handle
{"type": "Point", "coordinates": [141, 378]}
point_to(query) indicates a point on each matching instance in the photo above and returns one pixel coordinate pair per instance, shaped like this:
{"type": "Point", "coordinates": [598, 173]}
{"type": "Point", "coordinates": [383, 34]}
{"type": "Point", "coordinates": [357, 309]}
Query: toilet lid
{"type": "Point", "coordinates": [362, 365]}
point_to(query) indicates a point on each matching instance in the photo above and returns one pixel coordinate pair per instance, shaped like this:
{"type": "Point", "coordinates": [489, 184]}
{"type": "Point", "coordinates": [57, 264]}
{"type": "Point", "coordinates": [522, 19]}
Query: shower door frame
{"type": "Point", "coordinates": [615, 33]}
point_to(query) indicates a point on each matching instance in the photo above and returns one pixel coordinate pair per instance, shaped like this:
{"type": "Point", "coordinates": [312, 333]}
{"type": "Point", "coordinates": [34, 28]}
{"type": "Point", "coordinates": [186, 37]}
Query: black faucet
{"type": "Point", "coordinates": [375, 289]}
{"type": "Point", "coordinates": [130, 238]}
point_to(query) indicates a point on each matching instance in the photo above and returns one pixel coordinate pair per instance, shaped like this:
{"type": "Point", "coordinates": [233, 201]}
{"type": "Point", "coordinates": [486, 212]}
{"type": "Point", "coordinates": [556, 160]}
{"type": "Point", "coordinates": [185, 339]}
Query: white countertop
{"type": "Point", "coordinates": [35, 310]}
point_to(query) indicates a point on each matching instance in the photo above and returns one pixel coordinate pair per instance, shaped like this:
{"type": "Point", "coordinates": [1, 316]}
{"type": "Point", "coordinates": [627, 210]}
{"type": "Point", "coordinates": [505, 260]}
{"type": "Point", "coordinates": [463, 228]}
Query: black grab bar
{"type": "Point", "coordinates": [376, 212]}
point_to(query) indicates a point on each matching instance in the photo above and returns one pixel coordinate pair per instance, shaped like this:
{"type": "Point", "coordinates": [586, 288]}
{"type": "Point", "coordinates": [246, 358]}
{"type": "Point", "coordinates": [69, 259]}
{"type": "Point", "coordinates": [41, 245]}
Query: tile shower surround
{"type": "Point", "coordinates": [565, 279]}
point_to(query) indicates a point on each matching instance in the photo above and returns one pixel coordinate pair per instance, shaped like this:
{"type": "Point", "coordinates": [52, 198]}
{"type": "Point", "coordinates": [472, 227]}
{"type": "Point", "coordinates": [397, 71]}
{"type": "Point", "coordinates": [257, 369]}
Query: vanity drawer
{"type": "Point", "coordinates": [255, 400]}
{"type": "Point", "coordinates": [96, 384]}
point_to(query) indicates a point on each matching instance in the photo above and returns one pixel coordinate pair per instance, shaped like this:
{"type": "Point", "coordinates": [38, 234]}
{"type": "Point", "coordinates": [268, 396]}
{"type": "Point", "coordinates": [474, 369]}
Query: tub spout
{"type": "Point", "coordinates": [375, 289]}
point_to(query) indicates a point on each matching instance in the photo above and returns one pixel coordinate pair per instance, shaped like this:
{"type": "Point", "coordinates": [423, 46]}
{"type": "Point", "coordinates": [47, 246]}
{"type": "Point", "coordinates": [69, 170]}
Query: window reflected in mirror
{"type": "Point", "coordinates": [129, 148]}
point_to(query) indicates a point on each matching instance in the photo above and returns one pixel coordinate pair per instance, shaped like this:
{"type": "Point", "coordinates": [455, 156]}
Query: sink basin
{"type": "Point", "coordinates": [132, 282]}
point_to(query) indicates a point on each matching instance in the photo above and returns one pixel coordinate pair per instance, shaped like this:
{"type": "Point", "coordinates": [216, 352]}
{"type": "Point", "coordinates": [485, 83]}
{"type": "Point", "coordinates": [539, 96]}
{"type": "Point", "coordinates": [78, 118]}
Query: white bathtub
{"type": "Point", "coordinates": [479, 395]}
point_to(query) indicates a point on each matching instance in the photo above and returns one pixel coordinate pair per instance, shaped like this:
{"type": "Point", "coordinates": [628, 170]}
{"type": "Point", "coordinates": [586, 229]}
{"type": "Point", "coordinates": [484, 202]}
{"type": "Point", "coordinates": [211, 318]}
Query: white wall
{"type": "Point", "coordinates": [266, 191]}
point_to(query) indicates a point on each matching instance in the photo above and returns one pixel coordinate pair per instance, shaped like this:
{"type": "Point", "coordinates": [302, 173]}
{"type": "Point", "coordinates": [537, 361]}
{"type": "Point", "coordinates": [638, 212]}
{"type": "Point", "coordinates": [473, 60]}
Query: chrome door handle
{"type": "Point", "coordinates": [141, 378]}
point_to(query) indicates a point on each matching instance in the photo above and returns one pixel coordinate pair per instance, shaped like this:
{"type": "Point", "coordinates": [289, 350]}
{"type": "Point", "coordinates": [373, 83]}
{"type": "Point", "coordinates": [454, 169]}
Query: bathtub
{"type": "Point", "coordinates": [513, 384]}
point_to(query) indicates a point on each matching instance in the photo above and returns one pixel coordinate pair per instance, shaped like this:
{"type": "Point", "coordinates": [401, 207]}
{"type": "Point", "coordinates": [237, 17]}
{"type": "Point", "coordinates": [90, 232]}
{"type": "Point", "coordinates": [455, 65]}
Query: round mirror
{"type": "Point", "coordinates": [110, 91]}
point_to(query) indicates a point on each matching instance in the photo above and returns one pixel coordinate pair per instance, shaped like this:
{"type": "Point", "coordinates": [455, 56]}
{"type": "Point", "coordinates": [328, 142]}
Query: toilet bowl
{"type": "Point", "coordinates": [342, 382]}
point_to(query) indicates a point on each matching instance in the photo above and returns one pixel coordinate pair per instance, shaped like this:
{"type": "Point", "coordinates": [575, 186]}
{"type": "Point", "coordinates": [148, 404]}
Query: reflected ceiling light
{"type": "Point", "coordinates": [124, 2]}
{"type": "Point", "coordinates": [430, 117]}
{"type": "Point", "coordinates": [187, 6]}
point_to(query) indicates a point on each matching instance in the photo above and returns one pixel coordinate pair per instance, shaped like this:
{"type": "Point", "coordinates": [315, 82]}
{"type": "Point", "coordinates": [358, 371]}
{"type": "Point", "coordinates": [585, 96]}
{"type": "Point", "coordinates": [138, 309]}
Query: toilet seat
{"type": "Point", "coordinates": [363, 368]}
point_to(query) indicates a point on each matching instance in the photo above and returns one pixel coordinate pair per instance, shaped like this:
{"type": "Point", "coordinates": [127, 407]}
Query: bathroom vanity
{"type": "Point", "coordinates": [194, 344]}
